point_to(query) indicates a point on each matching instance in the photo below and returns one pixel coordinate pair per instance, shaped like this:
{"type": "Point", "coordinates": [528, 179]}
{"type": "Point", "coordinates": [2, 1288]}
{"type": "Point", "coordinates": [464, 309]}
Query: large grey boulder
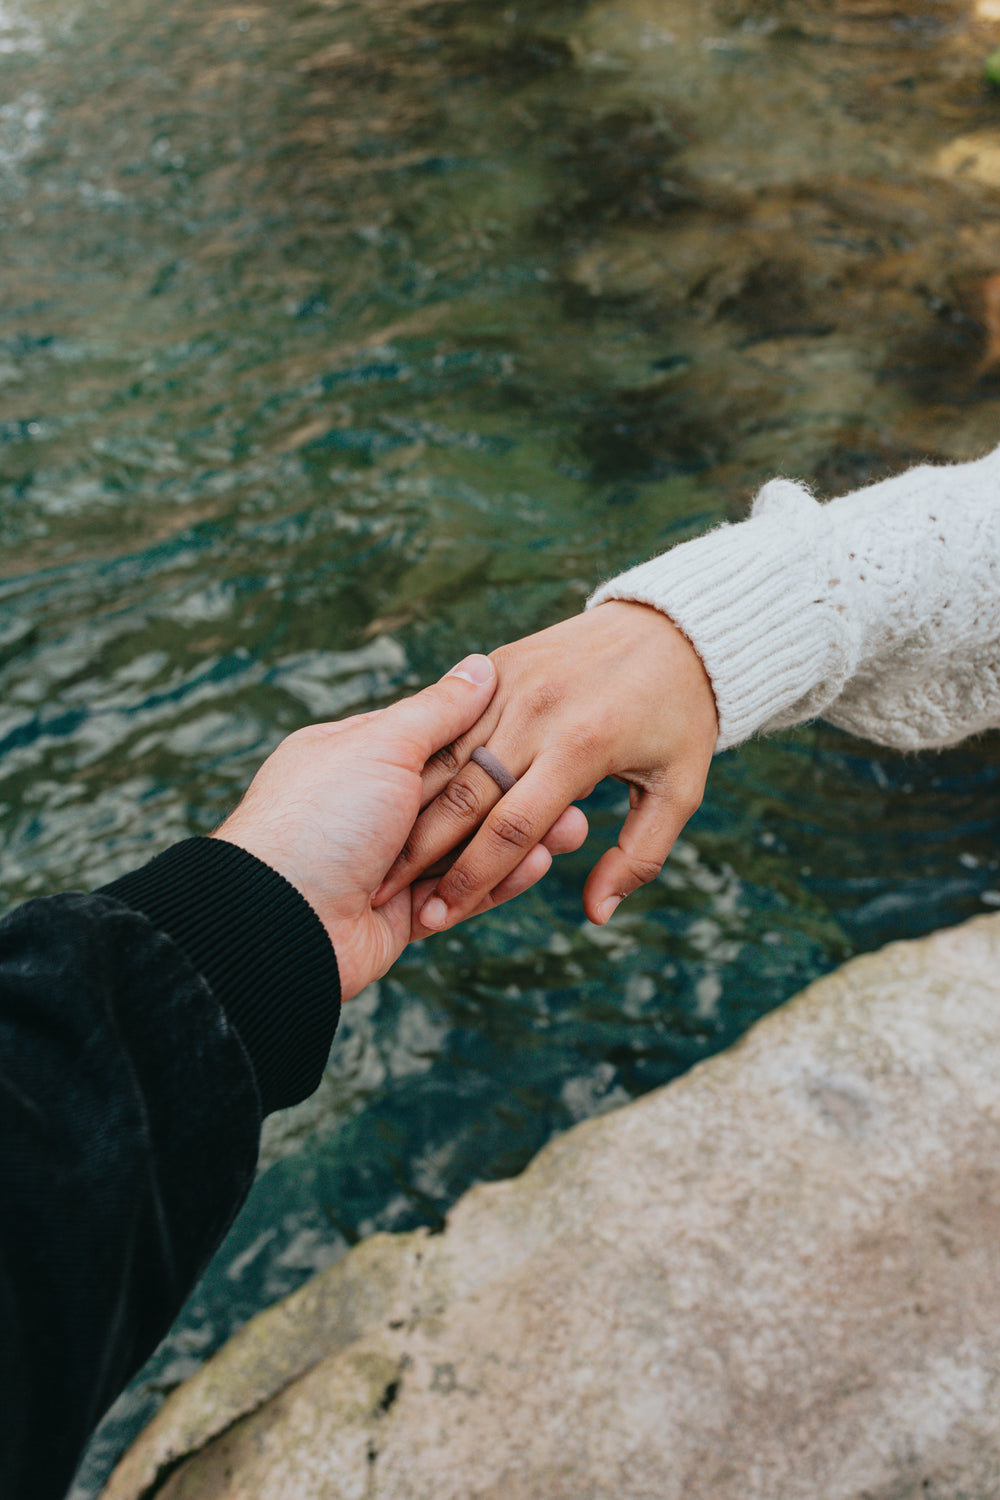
{"type": "Point", "coordinates": [777, 1278]}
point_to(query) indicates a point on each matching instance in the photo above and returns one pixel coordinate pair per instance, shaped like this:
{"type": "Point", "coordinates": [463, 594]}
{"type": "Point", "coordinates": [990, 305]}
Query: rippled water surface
{"type": "Point", "coordinates": [339, 339]}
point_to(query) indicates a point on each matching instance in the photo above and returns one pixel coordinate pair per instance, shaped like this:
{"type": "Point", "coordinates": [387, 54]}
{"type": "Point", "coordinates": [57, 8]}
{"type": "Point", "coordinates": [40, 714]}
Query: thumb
{"type": "Point", "coordinates": [447, 708]}
{"type": "Point", "coordinates": [648, 834]}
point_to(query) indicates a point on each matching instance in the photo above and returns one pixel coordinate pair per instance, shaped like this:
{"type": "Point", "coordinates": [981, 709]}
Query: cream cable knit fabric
{"type": "Point", "coordinates": [879, 612]}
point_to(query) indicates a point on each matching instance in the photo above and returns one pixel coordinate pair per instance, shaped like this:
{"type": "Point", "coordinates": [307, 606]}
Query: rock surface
{"type": "Point", "coordinates": [779, 1276]}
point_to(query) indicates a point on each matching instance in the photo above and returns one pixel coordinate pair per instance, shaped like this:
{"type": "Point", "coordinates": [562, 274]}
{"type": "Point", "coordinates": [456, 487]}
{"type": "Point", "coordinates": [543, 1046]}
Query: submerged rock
{"type": "Point", "coordinates": [777, 1276]}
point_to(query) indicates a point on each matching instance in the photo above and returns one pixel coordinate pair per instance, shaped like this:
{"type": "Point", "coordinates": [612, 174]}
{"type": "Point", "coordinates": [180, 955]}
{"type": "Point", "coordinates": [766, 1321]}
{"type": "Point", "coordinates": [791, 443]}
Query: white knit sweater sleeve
{"type": "Point", "coordinates": [879, 612]}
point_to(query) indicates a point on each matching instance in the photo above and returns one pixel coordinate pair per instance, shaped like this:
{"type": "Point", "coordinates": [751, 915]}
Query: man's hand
{"type": "Point", "coordinates": [618, 691]}
{"type": "Point", "coordinates": [331, 808]}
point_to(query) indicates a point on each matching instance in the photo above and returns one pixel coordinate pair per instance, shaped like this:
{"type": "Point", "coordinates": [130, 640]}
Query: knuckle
{"type": "Point", "coordinates": [502, 657]}
{"type": "Point", "coordinates": [586, 742]}
{"type": "Point", "coordinates": [514, 829]}
{"type": "Point", "coordinates": [690, 804]}
{"type": "Point", "coordinates": [303, 737]}
{"type": "Point", "coordinates": [459, 884]}
{"type": "Point", "coordinates": [643, 868]}
{"type": "Point", "coordinates": [541, 700]}
{"type": "Point", "coordinates": [688, 798]}
{"type": "Point", "coordinates": [445, 760]}
{"type": "Point", "coordinates": [460, 800]}
{"type": "Point", "coordinates": [408, 855]}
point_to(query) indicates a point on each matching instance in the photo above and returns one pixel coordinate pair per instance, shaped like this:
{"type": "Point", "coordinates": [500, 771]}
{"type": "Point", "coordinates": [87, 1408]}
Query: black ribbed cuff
{"type": "Point", "coordinates": [261, 948]}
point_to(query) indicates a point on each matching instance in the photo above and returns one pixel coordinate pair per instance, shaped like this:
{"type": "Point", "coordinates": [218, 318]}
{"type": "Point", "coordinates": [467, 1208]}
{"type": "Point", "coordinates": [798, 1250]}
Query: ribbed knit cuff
{"type": "Point", "coordinates": [261, 948]}
{"type": "Point", "coordinates": [756, 602]}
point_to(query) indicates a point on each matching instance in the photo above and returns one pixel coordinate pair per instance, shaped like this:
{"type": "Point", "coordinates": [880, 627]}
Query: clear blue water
{"type": "Point", "coordinates": [338, 341]}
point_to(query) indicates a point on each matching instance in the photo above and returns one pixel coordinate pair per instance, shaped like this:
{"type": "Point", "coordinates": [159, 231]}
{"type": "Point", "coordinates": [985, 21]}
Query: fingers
{"type": "Point", "coordinates": [448, 823]}
{"type": "Point", "coordinates": [568, 833]}
{"type": "Point", "coordinates": [536, 863]}
{"type": "Point", "coordinates": [450, 759]}
{"type": "Point", "coordinates": [529, 872]}
{"type": "Point", "coordinates": [445, 710]}
{"type": "Point", "coordinates": [451, 823]}
{"type": "Point", "coordinates": [648, 834]}
{"type": "Point", "coordinates": [510, 828]}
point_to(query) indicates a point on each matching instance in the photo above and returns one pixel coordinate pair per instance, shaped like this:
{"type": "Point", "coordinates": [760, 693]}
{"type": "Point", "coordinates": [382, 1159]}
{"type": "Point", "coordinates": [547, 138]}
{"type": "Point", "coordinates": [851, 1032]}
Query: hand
{"type": "Point", "coordinates": [617, 691]}
{"type": "Point", "coordinates": [331, 807]}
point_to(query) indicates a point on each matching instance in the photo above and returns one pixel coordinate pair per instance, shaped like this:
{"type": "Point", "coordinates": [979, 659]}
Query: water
{"type": "Point", "coordinates": [338, 340]}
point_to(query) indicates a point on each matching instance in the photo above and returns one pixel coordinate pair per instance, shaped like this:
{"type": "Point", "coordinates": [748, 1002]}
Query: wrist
{"type": "Point", "coordinates": [755, 602]}
{"type": "Point", "coordinates": [260, 948]}
{"type": "Point", "coordinates": [660, 646]}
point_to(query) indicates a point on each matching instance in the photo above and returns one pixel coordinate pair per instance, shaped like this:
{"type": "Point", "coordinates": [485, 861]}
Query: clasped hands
{"type": "Point", "coordinates": [364, 816]}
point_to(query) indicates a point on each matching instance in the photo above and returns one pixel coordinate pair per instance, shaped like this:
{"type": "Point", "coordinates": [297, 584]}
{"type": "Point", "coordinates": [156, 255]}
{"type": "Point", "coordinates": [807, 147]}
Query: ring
{"type": "Point", "coordinates": [494, 767]}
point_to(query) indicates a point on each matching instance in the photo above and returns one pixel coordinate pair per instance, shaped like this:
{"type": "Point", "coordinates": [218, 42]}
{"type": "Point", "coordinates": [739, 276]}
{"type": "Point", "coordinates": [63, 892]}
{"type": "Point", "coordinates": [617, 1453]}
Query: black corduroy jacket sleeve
{"type": "Point", "coordinates": [144, 1032]}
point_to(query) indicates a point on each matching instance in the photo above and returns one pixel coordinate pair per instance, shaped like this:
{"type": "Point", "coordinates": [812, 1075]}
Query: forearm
{"type": "Point", "coordinates": [131, 1103]}
{"type": "Point", "coordinates": [879, 611]}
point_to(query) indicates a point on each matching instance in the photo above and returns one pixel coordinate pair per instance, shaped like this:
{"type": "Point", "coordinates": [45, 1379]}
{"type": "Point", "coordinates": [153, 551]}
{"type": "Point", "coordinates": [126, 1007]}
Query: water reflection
{"type": "Point", "coordinates": [339, 340]}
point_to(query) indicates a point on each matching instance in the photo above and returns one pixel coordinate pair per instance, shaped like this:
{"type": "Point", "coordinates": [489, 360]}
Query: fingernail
{"type": "Point", "coordinates": [434, 913]}
{"type": "Point", "coordinates": [477, 669]}
{"type": "Point", "coordinates": [609, 907]}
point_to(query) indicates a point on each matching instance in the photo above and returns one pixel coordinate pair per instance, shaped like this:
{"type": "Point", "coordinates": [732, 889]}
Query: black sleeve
{"type": "Point", "coordinates": [144, 1032]}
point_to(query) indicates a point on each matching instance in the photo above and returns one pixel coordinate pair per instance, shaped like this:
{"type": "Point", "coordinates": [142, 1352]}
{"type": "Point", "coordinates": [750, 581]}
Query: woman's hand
{"type": "Point", "coordinates": [617, 691]}
{"type": "Point", "coordinates": [330, 809]}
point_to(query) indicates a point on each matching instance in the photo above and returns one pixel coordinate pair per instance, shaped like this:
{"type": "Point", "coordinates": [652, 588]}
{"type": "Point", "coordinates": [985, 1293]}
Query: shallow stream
{"type": "Point", "coordinates": [340, 339]}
